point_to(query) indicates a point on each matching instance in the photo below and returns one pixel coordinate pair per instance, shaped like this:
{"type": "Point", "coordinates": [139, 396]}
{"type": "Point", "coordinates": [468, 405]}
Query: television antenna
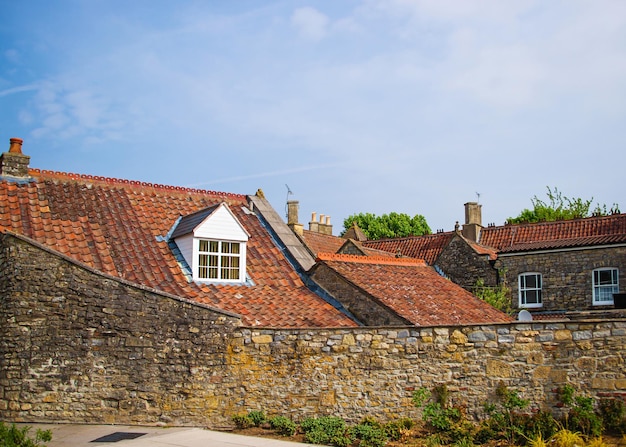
{"type": "Point", "coordinates": [477, 197]}
{"type": "Point", "coordinates": [289, 193]}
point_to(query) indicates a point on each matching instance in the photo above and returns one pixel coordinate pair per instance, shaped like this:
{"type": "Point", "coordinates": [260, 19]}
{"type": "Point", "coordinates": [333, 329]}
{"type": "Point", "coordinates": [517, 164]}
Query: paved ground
{"type": "Point", "coordinates": [69, 435]}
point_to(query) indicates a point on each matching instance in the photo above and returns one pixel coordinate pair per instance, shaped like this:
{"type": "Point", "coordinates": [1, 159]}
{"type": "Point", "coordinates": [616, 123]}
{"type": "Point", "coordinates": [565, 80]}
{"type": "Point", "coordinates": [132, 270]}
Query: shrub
{"type": "Point", "coordinates": [284, 426]}
{"type": "Point", "coordinates": [242, 420]}
{"type": "Point", "coordinates": [370, 435]}
{"type": "Point", "coordinates": [395, 429]}
{"type": "Point", "coordinates": [12, 436]}
{"type": "Point", "coordinates": [327, 430]}
{"type": "Point", "coordinates": [257, 417]}
{"type": "Point", "coordinates": [612, 412]}
{"type": "Point", "coordinates": [567, 438]}
{"type": "Point", "coordinates": [581, 416]}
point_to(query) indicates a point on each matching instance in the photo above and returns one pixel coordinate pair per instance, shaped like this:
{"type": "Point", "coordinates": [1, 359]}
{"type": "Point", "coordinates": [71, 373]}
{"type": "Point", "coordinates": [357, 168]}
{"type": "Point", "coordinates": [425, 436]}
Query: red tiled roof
{"type": "Point", "coordinates": [560, 234]}
{"type": "Point", "coordinates": [413, 290]}
{"type": "Point", "coordinates": [117, 226]}
{"type": "Point", "coordinates": [427, 247]}
{"type": "Point", "coordinates": [322, 243]}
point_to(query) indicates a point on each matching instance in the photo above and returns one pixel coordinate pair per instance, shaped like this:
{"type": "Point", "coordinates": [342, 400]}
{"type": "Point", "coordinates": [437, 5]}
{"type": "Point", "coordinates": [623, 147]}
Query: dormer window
{"type": "Point", "coordinates": [213, 244]}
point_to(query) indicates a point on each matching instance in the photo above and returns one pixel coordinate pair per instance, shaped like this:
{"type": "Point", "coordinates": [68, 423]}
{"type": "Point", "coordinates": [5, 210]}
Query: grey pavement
{"type": "Point", "coordinates": [72, 435]}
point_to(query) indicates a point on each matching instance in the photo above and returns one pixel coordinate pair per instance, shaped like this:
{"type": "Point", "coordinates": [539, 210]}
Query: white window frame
{"type": "Point", "coordinates": [221, 262]}
{"type": "Point", "coordinates": [603, 292]}
{"type": "Point", "coordinates": [523, 289]}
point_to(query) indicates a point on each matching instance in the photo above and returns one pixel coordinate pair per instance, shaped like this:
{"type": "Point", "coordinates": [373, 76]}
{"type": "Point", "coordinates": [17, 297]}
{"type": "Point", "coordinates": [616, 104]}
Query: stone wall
{"type": "Point", "coordinates": [79, 346]}
{"type": "Point", "coordinates": [566, 275]}
{"type": "Point", "coordinates": [464, 266]}
{"type": "Point", "coordinates": [82, 347]}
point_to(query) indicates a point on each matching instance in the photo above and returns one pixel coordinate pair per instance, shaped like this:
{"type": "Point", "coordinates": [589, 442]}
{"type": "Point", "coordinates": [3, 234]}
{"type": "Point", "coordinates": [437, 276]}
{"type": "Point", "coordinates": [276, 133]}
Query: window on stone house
{"type": "Point", "coordinates": [530, 290]}
{"type": "Point", "coordinates": [219, 260]}
{"type": "Point", "coordinates": [605, 284]}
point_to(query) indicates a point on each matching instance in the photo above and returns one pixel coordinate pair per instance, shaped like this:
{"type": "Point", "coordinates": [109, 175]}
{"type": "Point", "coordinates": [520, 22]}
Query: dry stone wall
{"type": "Point", "coordinates": [79, 346]}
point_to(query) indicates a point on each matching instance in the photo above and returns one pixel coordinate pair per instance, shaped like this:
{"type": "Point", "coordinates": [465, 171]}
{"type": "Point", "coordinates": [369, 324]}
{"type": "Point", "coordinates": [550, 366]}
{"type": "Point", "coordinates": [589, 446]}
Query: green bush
{"type": "Point", "coordinates": [12, 436]}
{"type": "Point", "coordinates": [327, 430]}
{"type": "Point", "coordinates": [394, 429]}
{"type": "Point", "coordinates": [242, 420]}
{"type": "Point", "coordinates": [257, 417]}
{"type": "Point", "coordinates": [284, 426]}
{"type": "Point", "coordinates": [370, 435]}
{"type": "Point", "coordinates": [612, 412]}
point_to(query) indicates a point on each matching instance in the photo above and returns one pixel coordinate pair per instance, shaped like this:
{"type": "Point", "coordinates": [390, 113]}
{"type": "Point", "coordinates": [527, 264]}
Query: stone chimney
{"type": "Point", "coordinates": [473, 221]}
{"type": "Point", "coordinates": [322, 226]}
{"type": "Point", "coordinates": [14, 163]}
{"type": "Point", "coordinates": [292, 217]}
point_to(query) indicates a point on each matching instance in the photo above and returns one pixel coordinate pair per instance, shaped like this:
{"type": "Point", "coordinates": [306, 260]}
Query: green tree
{"type": "Point", "coordinates": [560, 207]}
{"type": "Point", "coordinates": [388, 225]}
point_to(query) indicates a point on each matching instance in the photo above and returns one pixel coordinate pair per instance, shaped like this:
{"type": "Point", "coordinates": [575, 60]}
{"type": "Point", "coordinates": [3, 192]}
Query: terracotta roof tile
{"type": "Point", "coordinates": [413, 290]}
{"type": "Point", "coordinates": [321, 243]}
{"type": "Point", "coordinates": [550, 235]}
{"type": "Point", "coordinates": [427, 247]}
{"type": "Point", "coordinates": [112, 225]}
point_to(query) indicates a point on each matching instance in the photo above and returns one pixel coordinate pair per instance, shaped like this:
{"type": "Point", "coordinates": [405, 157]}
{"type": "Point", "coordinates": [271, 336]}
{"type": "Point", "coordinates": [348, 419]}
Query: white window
{"type": "Point", "coordinates": [219, 260]}
{"type": "Point", "coordinates": [605, 284]}
{"type": "Point", "coordinates": [530, 290]}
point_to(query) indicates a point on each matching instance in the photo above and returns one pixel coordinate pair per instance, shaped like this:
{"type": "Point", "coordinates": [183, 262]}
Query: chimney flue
{"type": "Point", "coordinates": [15, 146]}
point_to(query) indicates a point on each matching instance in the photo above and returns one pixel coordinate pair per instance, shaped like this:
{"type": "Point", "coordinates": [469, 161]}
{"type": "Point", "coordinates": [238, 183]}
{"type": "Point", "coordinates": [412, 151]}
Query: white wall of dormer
{"type": "Point", "coordinates": [222, 225]}
{"type": "Point", "coordinates": [185, 245]}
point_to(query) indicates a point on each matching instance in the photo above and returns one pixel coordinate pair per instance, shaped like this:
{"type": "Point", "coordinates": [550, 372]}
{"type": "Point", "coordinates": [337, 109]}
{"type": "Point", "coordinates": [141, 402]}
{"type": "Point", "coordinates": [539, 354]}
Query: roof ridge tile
{"type": "Point", "coordinates": [370, 259]}
{"type": "Point", "coordinates": [125, 182]}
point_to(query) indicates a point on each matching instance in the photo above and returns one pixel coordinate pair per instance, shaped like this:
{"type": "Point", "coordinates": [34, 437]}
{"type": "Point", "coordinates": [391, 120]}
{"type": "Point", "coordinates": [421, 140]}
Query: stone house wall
{"type": "Point", "coordinates": [82, 347]}
{"type": "Point", "coordinates": [566, 275]}
{"type": "Point", "coordinates": [464, 266]}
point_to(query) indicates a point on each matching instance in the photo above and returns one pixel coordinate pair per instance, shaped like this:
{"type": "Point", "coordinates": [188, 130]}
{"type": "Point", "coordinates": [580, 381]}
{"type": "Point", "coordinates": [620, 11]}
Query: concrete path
{"type": "Point", "coordinates": [70, 435]}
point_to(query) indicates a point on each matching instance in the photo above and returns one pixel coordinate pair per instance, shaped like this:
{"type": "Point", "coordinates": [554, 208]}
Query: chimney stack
{"type": "Point", "coordinates": [473, 221]}
{"type": "Point", "coordinates": [14, 163]}
{"type": "Point", "coordinates": [322, 226]}
{"type": "Point", "coordinates": [292, 217]}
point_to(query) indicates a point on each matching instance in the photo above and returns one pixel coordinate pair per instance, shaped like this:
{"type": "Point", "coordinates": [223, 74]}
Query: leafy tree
{"type": "Point", "coordinates": [388, 225]}
{"type": "Point", "coordinates": [560, 207]}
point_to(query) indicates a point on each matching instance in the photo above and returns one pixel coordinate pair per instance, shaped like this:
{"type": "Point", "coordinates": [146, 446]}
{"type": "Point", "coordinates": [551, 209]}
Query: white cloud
{"type": "Point", "coordinates": [310, 23]}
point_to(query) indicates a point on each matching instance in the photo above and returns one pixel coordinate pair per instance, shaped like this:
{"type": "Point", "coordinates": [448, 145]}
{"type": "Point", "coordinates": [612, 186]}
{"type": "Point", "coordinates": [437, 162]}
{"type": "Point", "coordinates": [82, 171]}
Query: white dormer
{"type": "Point", "coordinates": [213, 242]}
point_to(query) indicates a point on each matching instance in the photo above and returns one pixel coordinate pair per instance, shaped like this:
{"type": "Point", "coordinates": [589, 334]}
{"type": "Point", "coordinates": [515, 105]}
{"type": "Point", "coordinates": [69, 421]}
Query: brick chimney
{"type": "Point", "coordinates": [473, 221]}
{"type": "Point", "coordinates": [14, 163]}
{"type": "Point", "coordinates": [292, 217]}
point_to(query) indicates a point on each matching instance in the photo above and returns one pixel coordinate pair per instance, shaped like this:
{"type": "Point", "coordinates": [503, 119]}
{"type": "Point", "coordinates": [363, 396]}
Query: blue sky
{"type": "Point", "coordinates": [412, 106]}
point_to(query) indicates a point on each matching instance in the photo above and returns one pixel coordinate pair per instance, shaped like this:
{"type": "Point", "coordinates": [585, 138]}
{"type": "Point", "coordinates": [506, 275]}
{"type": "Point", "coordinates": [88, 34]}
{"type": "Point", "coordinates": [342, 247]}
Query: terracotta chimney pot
{"type": "Point", "coordinates": [16, 146]}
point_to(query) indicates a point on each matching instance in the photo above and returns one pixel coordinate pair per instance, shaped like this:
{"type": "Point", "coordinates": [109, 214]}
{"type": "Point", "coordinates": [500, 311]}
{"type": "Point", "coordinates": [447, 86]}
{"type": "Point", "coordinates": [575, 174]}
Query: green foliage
{"type": "Point", "coordinates": [498, 296]}
{"type": "Point", "coordinates": [370, 433]}
{"type": "Point", "coordinates": [284, 426]}
{"type": "Point", "coordinates": [388, 225]}
{"type": "Point", "coordinates": [12, 436]}
{"type": "Point", "coordinates": [612, 412]}
{"type": "Point", "coordinates": [396, 428]}
{"type": "Point", "coordinates": [436, 412]}
{"type": "Point", "coordinates": [257, 417]}
{"type": "Point", "coordinates": [581, 416]}
{"type": "Point", "coordinates": [505, 420]}
{"type": "Point", "coordinates": [560, 207]}
{"type": "Point", "coordinates": [242, 420]}
{"type": "Point", "coordinates": [327, 430]}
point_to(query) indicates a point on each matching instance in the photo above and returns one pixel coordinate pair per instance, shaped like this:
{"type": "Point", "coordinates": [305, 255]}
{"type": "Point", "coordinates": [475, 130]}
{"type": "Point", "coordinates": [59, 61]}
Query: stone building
{"type": "Point", "coordinates": [550, 267]}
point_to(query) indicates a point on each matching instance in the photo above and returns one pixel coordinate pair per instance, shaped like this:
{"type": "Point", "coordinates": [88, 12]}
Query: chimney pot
{"type": "Point", "coordinates": [327, 220]}
{"type": "Point", "coordinates": [321, 218]}
{"type": "Point", "coordinates": [15, 146]}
